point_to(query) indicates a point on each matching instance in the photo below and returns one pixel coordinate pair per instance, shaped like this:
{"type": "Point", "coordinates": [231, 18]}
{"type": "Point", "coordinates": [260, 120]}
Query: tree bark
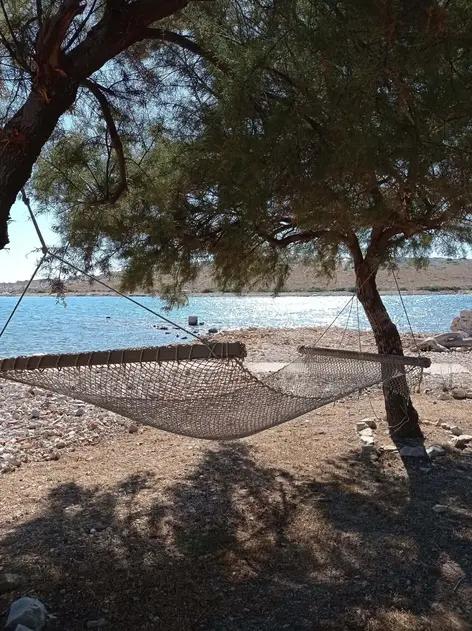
{"type": "Point", "coordinates": [402, 417]}
{"type": "Point", "coordinates": [21, 142]}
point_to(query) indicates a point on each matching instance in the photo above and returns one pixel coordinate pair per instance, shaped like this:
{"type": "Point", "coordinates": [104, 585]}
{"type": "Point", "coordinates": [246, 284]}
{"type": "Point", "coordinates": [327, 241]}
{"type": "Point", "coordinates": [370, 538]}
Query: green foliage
{"type": "Point", "coordinates": [305, 130]}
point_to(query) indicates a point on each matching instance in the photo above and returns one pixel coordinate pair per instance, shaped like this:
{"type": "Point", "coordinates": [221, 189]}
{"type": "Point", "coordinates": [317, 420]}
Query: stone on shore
{"type": "Point", "coordinates": [26, 611]}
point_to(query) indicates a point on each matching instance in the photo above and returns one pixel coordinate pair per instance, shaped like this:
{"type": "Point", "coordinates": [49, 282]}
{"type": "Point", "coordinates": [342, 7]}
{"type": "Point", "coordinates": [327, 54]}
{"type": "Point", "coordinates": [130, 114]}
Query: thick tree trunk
{"type": "Point", "coordinates": [22, 139]}
{"type": "Point", "coordinates": [402, 417]}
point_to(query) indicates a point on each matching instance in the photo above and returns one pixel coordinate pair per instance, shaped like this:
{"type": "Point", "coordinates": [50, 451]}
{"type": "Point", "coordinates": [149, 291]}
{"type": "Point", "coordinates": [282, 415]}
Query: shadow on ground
{"type": "Point", "coordinates": [238, 546]}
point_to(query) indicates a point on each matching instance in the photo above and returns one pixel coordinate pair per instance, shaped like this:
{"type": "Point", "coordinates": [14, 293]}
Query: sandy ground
{"type": "Point", "coordinates": [291, 529]}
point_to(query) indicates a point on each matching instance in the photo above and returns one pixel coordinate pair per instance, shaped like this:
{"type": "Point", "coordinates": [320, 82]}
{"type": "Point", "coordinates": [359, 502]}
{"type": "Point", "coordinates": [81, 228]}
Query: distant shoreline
{"type": "Point", "coordinates": [258, 294]}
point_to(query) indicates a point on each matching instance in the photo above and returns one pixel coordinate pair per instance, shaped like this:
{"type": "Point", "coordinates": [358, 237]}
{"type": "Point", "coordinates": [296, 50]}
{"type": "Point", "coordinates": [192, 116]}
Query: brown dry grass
{"type": "Point", "coordinates": [291, 529]}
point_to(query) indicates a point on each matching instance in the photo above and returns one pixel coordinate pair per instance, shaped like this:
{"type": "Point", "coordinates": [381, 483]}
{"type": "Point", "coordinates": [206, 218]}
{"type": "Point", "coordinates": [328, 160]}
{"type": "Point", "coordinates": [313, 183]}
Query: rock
{"type": "Point", "coordinates": [459, 393]}
{"type": "Point", "coordinates": [133, 429]}
{"type": "Point", "coordinates": [97, 624]}
{"type": "Point", "coordinates": [390, 448]}
{"type": "Point", "coordinates": [211, 331]}
{"type": "Point", "coordinates": [368, 450]}
{"type": "Point", "coordinates": [445, 426]}
{"type": "Point", "coordinates": [35, 413]}
{"type": "Point", "coordinates": [9, 582]}
{"type": "Point", "coordinates": [80, 412]}
{"type": "Point", "coordinates": [26, 611]}
{"type": "Point", "coordinates": [366, 432]}
{"type": "Point", "coordinates": [444, 396]}
{"type": "Point", "coordinates": [461, 442]}
{"type": "Point", "coordinates": [366, 423]}
{"type": "Point", "coordinates": [60, 444]}
{"type": "Point", "coordinates": [440, 508]}
{"type": "Point", "coordinates": [21, 627]}
{"type": "Point", "coordinates": [435, 450]}
{"type": "Point", "coordinates": [463, 322]}
{"type": "Point", "coordinates": [412, 452]}
{"type": "Point", "coordinates": [455, 430]}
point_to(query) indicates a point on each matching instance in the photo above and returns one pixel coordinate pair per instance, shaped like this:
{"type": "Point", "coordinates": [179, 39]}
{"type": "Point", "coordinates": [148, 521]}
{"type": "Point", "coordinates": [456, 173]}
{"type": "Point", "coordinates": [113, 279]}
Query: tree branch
{"type": "Point", "coordinates": [193, 47]}
{"type": "Point", "coordinates": [300, 237]}
{"type": "Point", "coordinates": [115, 141]}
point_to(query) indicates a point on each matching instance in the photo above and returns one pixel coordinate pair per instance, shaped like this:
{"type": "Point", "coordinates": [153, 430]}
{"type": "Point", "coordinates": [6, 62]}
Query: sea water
{"type": "Point", "coordinates": [43, 325]}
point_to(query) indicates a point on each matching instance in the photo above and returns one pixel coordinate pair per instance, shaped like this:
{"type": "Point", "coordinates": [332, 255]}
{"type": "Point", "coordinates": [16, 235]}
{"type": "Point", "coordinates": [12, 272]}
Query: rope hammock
{"type": "Point", "coordinates": [204, 390]}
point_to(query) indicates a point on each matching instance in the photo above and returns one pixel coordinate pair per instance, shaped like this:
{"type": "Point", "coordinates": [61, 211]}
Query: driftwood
{"type": "Point", "coordinates": [445, 342]}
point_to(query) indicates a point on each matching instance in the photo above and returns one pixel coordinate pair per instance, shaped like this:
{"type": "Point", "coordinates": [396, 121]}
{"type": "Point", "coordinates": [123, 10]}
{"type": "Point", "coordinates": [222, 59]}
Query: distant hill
{"type": "Point", "coordinates": [442, 275]}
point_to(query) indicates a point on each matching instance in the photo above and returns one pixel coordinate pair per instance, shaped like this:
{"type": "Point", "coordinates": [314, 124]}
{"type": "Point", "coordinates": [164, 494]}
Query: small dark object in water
{"type": "Point", "coordinates": [201, 323]}
{"type": "Point", "coordinates": [108, 318]}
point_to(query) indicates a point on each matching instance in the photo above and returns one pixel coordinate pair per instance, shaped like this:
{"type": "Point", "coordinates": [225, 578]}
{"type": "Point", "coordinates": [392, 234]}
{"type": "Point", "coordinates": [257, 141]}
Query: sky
{"type": "Point", "coordinates": [18, 260]}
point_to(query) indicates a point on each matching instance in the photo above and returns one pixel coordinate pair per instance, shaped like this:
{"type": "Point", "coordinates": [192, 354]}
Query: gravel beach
{"type": "Point", "coordinates": [39, 425]}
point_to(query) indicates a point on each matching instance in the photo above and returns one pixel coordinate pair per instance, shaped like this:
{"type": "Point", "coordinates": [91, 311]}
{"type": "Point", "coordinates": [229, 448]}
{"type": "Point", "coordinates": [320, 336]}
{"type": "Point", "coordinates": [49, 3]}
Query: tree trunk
{"type": "Point", "coordinates": [402, 417]}
{"type": "Point", "coordinates": [22, 139]}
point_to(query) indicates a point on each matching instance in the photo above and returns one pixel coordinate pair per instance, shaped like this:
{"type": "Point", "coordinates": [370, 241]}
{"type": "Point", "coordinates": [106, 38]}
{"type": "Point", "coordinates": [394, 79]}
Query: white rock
{"type": "Point", "coordinates": [463, 322]}
{"type": "Point", "coordinates": [29, 612]}
{"type": "Point", "coordinates": [455, 430]}
{"type": "Point", "coordinates": [460, 442]}
{"type": "Point", "coordinates": [35, 413]}
{"type": "Point", "coordinates": [390, 448]}
{"type": "Point", "coordinates": [366, 432]}
{"type": "Point", "coordinates": [435, 450]}
{"type": "Point", "coordinates": [369, 422]}
{"type": "Point", "coordinates": [440, 508]}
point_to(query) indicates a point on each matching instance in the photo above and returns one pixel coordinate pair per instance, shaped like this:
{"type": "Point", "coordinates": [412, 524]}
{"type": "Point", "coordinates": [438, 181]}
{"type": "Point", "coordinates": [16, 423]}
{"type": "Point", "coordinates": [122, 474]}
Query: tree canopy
{"type": "Point", "coordinates": [315, 128]}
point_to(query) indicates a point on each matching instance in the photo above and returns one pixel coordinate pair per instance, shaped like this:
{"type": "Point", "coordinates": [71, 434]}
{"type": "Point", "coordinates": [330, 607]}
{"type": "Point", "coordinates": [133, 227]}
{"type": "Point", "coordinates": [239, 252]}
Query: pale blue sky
{"type": "Point", "coordinates": [19, 260]}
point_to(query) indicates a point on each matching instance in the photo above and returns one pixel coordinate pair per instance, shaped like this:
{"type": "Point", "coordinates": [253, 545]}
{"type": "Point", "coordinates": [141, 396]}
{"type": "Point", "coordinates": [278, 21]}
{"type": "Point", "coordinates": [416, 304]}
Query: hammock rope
{"type": "Point", "coordinates": [204, 392]}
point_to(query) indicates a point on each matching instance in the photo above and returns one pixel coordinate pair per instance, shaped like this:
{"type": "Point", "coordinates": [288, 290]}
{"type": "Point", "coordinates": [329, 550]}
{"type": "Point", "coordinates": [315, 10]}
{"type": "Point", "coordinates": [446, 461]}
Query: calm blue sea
{"type": "Point", "coordinates": [41, 325]}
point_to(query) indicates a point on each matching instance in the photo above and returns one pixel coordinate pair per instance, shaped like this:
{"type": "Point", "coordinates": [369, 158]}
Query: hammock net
{"type": "Point", "coordinates": [206, 391]}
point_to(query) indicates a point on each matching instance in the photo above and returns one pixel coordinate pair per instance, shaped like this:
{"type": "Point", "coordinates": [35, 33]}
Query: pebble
{"type": "Point", "coordinates": [97, 624]}
{"type": "Point", "coordinates": [29, 435]}
{"type": "Point", "coordinates": [440, 508]}
{"type": "Point", "coordinates": [444, 396]}
{"type": "Point", "coordinates": [133, 429]}
{"type": "Point", "coordinates": [459, 393]}
{"type": "Point", "coordinates": [455, 430]}
{"type": "Point", "coordinates": [9, 582]}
